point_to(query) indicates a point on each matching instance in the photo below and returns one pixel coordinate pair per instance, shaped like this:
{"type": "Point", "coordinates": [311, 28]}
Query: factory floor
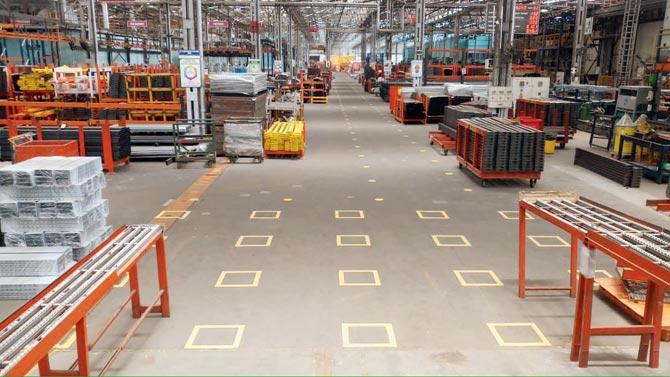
{"type": "Point", "coordinates": [300, 301]}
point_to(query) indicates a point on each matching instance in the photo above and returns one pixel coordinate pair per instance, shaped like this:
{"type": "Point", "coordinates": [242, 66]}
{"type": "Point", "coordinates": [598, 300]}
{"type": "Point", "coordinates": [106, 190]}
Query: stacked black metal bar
{"type": "Point", "coordinates": [385, 87]}
{"type": "Point", "coordinates": [92, 139]}
{"type": "Point", "coordinates": [506, 146]}
{"type": "Point", "coordinates": [618, 171]}
{"type": "Point", "coordinates": [452, 114]}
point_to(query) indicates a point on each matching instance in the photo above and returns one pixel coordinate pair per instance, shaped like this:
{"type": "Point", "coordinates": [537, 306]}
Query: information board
{"type": "Point", "coordinates": [190, 68]}
{"type": "Point", "coordinates": [527, 18]}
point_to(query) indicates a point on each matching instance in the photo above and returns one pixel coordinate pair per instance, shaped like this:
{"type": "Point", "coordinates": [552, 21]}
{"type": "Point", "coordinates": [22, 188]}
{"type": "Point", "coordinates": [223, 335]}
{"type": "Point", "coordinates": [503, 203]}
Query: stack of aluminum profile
{"type": "Point", "coordinates": [25, 271]}
{"type": "Point", "coordinates": [54, 201]}
{"type": "Point", "coordinates": [452, 114]}
{"type": "Point", "coordinates": [248, 84]}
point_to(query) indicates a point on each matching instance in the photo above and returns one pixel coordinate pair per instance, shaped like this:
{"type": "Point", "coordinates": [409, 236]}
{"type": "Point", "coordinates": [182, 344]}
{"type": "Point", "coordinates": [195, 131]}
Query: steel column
{"type": "Point", "coordinates": [578, 48]}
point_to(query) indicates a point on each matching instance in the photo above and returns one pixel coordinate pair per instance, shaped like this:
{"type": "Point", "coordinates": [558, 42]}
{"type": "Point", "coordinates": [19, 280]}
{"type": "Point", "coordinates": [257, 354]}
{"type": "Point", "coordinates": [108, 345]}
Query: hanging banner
{"type": "Point", "coordinates": [217, 24]}
{"type": "Point", "coordinates": [190, 66]}
{"type": "Point", "coordinates": [527, 18]}
{"type": "Point", "coordinates": [137, 23]}
{"type": "Point", "coordinates": [255, 27]}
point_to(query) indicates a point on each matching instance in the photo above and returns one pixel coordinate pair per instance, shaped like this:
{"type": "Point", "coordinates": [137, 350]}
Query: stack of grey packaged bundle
{"type": "Point", "coordinates": [54, 201]}
{"type": "Point", "coordinates": [25, 271]}
{"type": "Point", "coordinates": [248, 84]}
{"type": "Point", "coordinates": [243, 138]}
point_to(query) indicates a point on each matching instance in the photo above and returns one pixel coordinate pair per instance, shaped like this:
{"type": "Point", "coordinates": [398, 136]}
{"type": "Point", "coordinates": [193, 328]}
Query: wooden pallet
{"type": "Point", "coordinates": [613, 290]}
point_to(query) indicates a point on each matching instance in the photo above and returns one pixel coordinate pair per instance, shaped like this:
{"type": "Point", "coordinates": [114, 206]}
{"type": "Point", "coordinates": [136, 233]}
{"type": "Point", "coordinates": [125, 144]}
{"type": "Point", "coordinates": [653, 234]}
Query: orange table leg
{"type": "Point", "coordinates": [643, 351]}
{"type": "Point", "coordinates": [577, 326]}
{"type": "Point", "coordinates": [134, 283]}
{"type": "Point", "coordinates": [162, 276]}
{"type": "Point", "coordinates": [587, 309]}
{"type": "Point", "coordinates": [574, 250]}
{"type": "Point", "coordinates": [82, 348]}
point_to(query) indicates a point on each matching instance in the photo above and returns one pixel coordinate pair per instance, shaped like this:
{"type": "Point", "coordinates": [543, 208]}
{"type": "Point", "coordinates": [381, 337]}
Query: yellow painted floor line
{"type": "Point", "coordinates": [188, 198]}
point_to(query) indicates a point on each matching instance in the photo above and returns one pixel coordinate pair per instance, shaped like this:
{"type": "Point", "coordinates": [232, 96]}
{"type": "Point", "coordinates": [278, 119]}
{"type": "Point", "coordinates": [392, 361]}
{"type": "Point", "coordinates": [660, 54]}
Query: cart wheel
{"type": "Point", "coordinates": [431, 142]}
{"type": "Point", "coordinates": [232, 159]}
{"type": "Point", "coordinates": [445, 152]}
{"type": "Point", "coordinates": [532, 182]}
{"type": "Point", "coordinates": [460, 166]}
{"type": "Point", "coordinates": [561, 146]}
{"type": "Point", "coordinates": [484, 182]}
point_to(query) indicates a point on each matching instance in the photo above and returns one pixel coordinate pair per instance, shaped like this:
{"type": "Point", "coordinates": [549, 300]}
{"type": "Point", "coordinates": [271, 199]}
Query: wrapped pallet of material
{"type": "Point", "coordinates": [243, 138]}
{"type": "Point", "coordinates": [247, 84]}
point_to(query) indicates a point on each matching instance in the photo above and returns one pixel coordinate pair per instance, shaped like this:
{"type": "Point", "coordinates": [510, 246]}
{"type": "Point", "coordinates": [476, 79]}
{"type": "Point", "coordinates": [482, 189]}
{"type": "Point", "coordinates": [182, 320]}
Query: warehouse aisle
{"type": "Point", "coordinates": [372, 255]}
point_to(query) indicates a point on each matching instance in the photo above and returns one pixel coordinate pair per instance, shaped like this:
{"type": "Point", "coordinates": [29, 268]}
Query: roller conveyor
{"type": "Point", "coordinates": [641, 238]}
{"type": "Point", "coordinates": [95, 273]}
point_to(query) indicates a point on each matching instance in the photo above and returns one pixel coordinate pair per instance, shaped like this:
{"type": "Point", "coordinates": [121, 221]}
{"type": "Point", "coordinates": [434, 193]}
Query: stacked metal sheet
{"type": "Point", "coordinates": [54, 201]}
{"type": "Point", "coordinates": [618, 171]}
{"type": "Point", "coordinates": [248, 84]}
{"type": "Point", "coordinates": [503, 145]}
{"type": "Point", "coordinates": [25, 271]}
{"type": "Point", "coordinates": [452, 114]}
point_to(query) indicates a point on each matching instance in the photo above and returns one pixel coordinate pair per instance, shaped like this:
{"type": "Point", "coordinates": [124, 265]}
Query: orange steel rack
{"type": "Point", "coordinates": [108, 162]}
{"type": "Point", "coordinates": [633, 243]}
{"type": "Point", "coordinates": [27, 336]}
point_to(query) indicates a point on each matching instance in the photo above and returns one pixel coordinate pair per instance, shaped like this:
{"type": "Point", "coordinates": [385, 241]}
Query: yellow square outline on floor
{"type": "Point", "coordinates": [544, 342]}
{"type": "Point", "coordinates": [241, 239]}
{"type": "Point", "coordinates": [375, 277]}
{"type": "Point", "coordinates": [436, 239]}
{"type": "Point", "coordinates": [167, 215]}
{"type": "Point", "coordinates": [346, 342]}
{"type": "Point", "coordinates": [254, 215]}
{"type": "Point", "coordinates": [442, 215]}
{"type": "Point", "coordinates": [190, 343]}
{"type": "Point", "coordinates": [220, 282]}
{"type": "Point", "coordinates": [535, 240]}
{"type": "Point", "coordinates": [515, 216]}
{"type": "Point", "coordinates": [365, 237]}
{"type": "Point", "coordinates": [339, 214]}
{"type": "Point", "coordinates": [464, 283]}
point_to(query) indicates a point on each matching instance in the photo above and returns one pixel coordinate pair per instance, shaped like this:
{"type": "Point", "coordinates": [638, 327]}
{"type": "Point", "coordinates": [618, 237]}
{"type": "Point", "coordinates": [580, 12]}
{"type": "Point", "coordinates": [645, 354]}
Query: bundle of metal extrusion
{"type": "Point", "coordinates": [150, 141]}
{"type": "Point", "coordinates": [645, 240]}
{"type": "Point", "coordinates": [19, 337]}
{"type": "Point", "coordinates": [249, 84]}
{"type": "Point", "coordinates": [25, 271]}
{"type": "Point", "coordinates": [452, 114]}
{"type": "Point", "coordinates": [500, 145]}
{"type": "Point", "coordinates": [618, 171]}
{"type": "Point", "coordinates": [54, 201]}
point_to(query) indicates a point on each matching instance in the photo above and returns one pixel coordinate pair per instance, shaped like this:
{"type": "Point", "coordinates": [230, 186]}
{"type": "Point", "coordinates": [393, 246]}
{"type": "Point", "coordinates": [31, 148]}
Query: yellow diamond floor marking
{"type": "Point", "coordinates": [379, 199]}
{"type": "Point", "coordinates": [542, 342]}
{"type": "Point", "coordinates": [221, 281]}
{"type": "Point", "coordinates": [366, 167]}
{"type": "Point", "coordinates": [242, 241]}
{"type": "Point", "coordinates": [288, 199]}
{"type": "Point", "coordinates": [122, 282]}
{"type": "Point", "coordinates": [432, 215]}
{"type": "Point", "coordinates": [67, 342]}
{"type": "Point", "coordinates": [514, 215]}
{"type": "Point", "coordinates": [461, 276]}
{"type": "Point", "coordinates": [448, 173]}
{"type": "Point", "coordinates": [422, 150]}
{"type": "Point", "coordinates": [390, 334]}
{"type": "Point", "coordinates": [434, 161]}
{"type": "Point", "coordinates": [376, 281]}
{"type": "Point", "coordinates": [265, 215]}
{"type": "Point", "coordinates": [357, 146]}
{"type": "Point", "coordinates": [605, 273]}
{"type": "Point", "coordinates": [341, 238]}
{"type": "Point", "coordinates": [455, 240]}
{"type": "Point", "coordinates": [349, 214]}
{"type": "Point", "coordinates": [361, 155]}
{"type": "Point", "coordinates": [538, 241]}
{"type": "Point", "coordinates": [180, 215]}
{"type": "Point", "coordinates": [467, 190]}
{"type": "Point", "coordinates": [191, 342]}
{"type": "Point", "coordinates": [372, 180]}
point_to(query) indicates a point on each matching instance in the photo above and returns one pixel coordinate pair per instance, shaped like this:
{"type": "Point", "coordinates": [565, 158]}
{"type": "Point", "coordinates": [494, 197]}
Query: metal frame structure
{"type": "Point", "coordinates": [632, 242]}
{"type": "Point", "coordinates": [27, 336]}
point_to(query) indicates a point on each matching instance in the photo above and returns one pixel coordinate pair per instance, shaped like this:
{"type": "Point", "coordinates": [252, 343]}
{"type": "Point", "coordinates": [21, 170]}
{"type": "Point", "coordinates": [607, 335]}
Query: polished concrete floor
{"type": "Point", "coordinates": [302, 299]}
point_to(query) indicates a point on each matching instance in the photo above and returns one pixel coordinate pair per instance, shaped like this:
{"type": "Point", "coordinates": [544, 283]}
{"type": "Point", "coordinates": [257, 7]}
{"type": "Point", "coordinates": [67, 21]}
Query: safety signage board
{"type": "Point", "coordinates": [190, 68]}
